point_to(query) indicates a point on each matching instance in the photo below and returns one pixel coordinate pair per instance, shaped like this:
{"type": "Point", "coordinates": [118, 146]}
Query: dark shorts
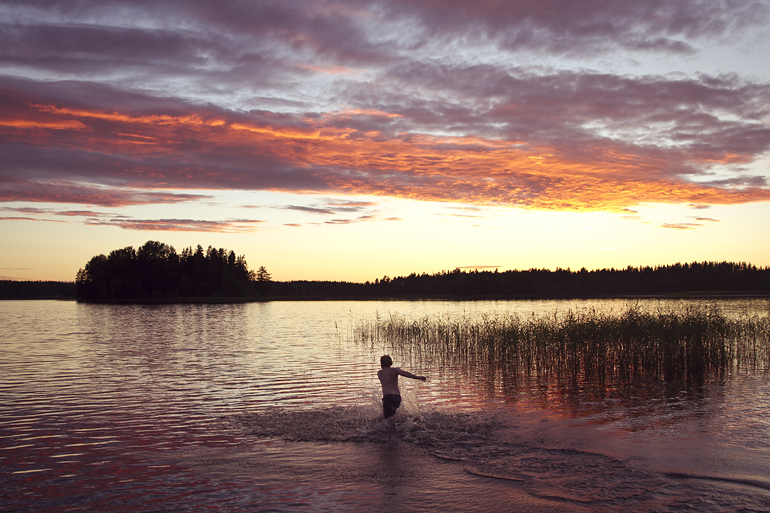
{"type": "Point", "coordinates": [390, 404]}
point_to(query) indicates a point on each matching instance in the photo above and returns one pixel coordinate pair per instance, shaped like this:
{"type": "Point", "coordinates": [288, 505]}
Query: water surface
{"type": "Point", "coordinates": [274, 407]}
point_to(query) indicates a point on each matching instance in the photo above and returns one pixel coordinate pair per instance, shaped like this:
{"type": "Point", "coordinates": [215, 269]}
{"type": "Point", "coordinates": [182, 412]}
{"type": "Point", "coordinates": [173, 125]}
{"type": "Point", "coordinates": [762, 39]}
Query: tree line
{"type": "Point", "coordinates": [707, 277]}
{"type": "Point", "coordinates": [10, 289]}
{"type": "Point", "coordinates": [696, 277]}
{"type": "Point", "coordinates": [156, 271]}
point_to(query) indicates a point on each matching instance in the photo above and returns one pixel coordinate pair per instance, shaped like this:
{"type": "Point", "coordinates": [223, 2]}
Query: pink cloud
{"type": "Point", "coordinates": [8, 218]}
{"type": "Point", "coordinates": [49, 211]}
{"type": "Point", "coordinates": [19, 189]}
{"type": "Point", "coordinates": [181, 225]}
{"type": "Point", "coordinates": [681, 226]}
{"type": "Point", "coordinates": [237, 96]}
{"type": "Point", "coordinates": [203, 147]}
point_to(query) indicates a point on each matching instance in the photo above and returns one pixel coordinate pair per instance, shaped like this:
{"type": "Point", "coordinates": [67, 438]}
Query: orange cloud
{"type": "Point", "coordinates": [50, 125]}
{"type": "Point", "coordinates": [160, 119]}
{"type": "Point", "coordinates": [278, 152]}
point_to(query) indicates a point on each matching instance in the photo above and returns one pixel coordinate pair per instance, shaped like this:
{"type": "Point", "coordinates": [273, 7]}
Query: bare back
{"type": "Point", "coordinates": [389, 379]}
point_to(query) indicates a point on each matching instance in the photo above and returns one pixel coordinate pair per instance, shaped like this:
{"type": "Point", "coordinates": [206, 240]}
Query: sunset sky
{"type": "Point", "coordinates": [352, 139]}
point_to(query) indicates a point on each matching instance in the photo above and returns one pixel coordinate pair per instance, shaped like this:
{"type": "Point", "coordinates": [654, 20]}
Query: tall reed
{"type": "Point", "coordinates": [684, 344]}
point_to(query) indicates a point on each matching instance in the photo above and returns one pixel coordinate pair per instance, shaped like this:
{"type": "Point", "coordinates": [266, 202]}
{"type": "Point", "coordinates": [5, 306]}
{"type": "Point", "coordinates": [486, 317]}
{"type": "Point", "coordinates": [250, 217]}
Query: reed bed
{"type": "Point", "coordinates": [689, 344]}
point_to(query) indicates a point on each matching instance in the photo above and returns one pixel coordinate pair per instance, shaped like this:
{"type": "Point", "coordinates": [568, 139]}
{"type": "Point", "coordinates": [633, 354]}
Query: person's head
{"type": "Point", "coordinates": [386, 361]}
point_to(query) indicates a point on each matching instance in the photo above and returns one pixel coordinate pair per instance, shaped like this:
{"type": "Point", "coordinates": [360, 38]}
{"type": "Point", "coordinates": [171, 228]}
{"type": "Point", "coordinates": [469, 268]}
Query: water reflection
{"type": "Point", "coordinates": [578, 358]}
{"type": "Point", "coordinates": [260, 406]}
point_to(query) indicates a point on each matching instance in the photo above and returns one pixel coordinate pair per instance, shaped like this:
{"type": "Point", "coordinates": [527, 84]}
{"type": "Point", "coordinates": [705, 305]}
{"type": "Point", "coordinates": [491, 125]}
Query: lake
{"type": "Point", "coordinates": [276, 407]}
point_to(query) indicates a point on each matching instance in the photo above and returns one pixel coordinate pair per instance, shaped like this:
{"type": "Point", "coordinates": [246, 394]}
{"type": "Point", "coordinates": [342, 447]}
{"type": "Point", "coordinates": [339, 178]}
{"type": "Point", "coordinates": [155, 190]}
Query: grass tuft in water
{"type": "Point", "coordinates": [690, 344]}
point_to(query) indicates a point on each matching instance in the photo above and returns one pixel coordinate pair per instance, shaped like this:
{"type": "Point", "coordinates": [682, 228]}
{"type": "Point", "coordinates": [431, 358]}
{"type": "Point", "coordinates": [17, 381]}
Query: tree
{"type": "Point", "coordinates": [262, 274]}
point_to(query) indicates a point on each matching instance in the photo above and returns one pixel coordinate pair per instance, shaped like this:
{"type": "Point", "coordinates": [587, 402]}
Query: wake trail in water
{"type": "Point", "coordinates": [482, 445]}
{"type": "Point", "coordinates": [360, 424]}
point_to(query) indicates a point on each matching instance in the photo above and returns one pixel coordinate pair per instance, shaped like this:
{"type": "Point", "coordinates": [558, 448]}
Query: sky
{"type": "Point", "coordinates": [349, 140]}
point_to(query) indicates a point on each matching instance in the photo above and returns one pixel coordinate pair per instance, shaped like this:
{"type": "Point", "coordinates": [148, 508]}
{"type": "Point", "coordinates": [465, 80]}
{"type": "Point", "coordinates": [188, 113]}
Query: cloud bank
{"type": "Point", "coordinates": [113, 103]}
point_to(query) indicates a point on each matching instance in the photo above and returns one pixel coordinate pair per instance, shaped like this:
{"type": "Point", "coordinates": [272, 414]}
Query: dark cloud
{"type": "Point", "coordinates": [18, 189]}
{"type": "Point", "coordinates": [583, 27]}
{"type": "Point", "coordinates": [350, 206]}
{"type": "Point", "coordinates": [333, 207]}
{"type": "Point", "coordinates": [86, 213]}
{"type": "Point", "coordinates": [271, 44]}
{"type": "Point", "coordinates": [8, 218]}
{"type": "Point", "coordinates": [312, 210]}
{"type": "Point", "coordinates": [25, 210]}
{"type": "Point", "coordinates": [65, 213]}
{"type": "Point", "coordinates": [113, 103]}
{"type": "Point", "coordinates": [180, 225]}
{"type": "Point", "coordinates": [129, 223]}
{"type": "Point", "coordinates": [740, 181]}
{"type": "Point", "coordinates": [358, 219]}
{"type": "Point", "coordinates": [217, 44]}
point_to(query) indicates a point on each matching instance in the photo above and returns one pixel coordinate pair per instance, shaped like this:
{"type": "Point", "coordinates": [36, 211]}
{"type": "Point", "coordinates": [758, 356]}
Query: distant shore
{"type": "Point", "coordinates": [685, 281]}
{"type": "Point", "coordinates": [446, 297]}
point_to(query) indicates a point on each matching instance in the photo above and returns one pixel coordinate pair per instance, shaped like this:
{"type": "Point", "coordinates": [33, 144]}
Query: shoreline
{"type": "Point", "coordinates": [266, 299]}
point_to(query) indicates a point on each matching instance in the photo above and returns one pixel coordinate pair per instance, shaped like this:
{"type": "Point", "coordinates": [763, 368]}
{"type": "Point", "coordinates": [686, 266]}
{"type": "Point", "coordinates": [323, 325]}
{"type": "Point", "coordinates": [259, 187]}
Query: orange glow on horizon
{"type": "Point", "coordinates": [469, 169]}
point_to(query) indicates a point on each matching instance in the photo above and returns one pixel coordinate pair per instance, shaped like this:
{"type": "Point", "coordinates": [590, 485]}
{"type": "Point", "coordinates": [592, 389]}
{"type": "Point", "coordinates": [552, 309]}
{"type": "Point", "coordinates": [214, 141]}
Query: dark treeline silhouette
{"type": "Point", "coordinates": [36, 289]}
{"type": "Point", "coordinates": [155, 271]}
{"type": "Point", "coordinates": [706, 277]}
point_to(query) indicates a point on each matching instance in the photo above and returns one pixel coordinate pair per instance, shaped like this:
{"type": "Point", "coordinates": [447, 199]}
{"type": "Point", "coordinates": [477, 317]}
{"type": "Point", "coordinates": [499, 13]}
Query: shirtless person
{"type": "Point", "coordinates": [391, 395]}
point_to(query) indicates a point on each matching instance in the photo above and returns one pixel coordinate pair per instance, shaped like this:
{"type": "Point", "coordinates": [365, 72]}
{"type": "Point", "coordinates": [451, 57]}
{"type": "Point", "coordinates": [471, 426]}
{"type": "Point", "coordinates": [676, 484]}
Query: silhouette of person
{"type": "Point", "coordinates": [391, 395]}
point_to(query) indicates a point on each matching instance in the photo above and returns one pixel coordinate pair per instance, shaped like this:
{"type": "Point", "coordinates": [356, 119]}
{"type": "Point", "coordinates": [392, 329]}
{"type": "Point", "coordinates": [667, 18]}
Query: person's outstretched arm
{"type": "Point", "coordinates": [406, 374]}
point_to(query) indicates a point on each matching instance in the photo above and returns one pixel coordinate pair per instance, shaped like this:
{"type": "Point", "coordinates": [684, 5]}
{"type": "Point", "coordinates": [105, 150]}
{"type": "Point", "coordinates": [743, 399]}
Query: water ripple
{"type": "Point", "coordinates": [145, 408]}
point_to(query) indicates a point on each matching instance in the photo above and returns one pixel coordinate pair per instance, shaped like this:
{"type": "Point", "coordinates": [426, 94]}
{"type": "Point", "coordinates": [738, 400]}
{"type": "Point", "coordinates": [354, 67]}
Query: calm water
{"type": "Point", "coordinates": [273, 407]}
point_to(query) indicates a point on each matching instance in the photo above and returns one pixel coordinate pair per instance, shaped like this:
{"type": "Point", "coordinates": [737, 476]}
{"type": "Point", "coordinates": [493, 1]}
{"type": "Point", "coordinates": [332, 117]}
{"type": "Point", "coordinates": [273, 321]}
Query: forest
{"type": "Point", "coordinates": [10, 289]}
{"type": "Point", "coordinates": [156, 272]}
{"type": "Point", "coordinates": [677, 279]}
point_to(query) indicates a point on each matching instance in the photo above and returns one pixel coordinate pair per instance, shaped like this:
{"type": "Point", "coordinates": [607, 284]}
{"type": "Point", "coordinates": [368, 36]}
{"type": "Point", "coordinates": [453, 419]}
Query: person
{"type": "Point", "coordinates": [391, 395]}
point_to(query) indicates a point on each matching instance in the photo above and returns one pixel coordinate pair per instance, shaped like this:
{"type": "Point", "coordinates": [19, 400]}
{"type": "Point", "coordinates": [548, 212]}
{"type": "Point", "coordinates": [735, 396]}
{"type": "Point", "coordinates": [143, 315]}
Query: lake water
{"type": "Point", "coordinates": [274, 407]}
